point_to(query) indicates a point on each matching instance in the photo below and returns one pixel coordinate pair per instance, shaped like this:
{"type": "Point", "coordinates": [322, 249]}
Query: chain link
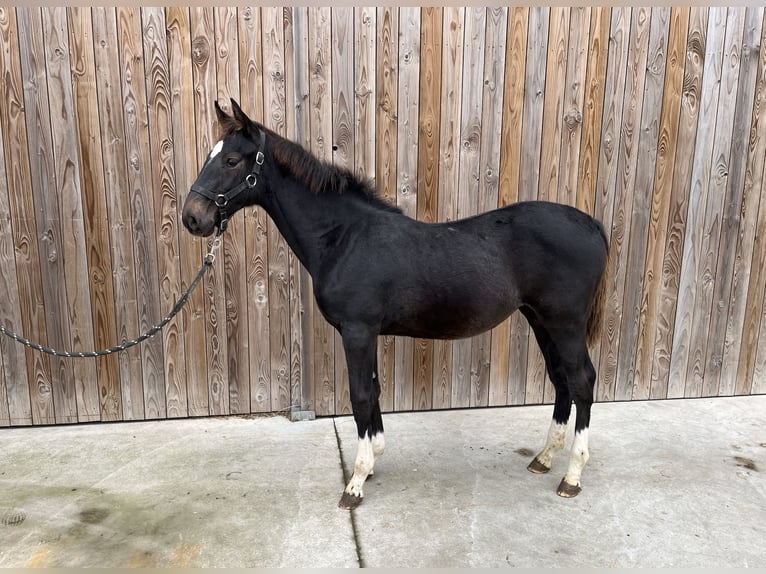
{"type": "Point", "coordinates": [206, 264]}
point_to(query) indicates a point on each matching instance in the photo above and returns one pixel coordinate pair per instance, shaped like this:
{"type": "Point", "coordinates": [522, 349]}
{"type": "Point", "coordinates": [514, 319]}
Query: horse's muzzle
{"type": "Point", "coordinates": [198, 217]}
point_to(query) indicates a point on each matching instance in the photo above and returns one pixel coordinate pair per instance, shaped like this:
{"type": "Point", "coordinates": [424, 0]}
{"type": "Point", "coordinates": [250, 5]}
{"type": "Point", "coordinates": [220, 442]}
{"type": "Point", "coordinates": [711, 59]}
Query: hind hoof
{"type": "Point", "coordinates": [567, 490]}
{"type": "Point", "coordinates": [537, 467]}
{"type": "Point", "coordinates": [349, 501]}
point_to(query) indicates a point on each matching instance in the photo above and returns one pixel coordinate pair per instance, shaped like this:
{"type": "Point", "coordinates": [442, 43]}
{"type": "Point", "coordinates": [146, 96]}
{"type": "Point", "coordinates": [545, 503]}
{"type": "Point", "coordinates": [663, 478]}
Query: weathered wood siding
{"type": "Point", "coordinates": [653, 120]}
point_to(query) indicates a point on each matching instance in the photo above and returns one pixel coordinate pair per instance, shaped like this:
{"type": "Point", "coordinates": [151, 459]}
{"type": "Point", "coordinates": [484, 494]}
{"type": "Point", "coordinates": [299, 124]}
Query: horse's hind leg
{"type": "Point", "coordinates": [557, 432]}
{"type": "Point", "coordinates": [359, 344]}
{"type": "Point", "coordinates": [581, 388]}
{"type": "Point", "coordinates": [573, 376]}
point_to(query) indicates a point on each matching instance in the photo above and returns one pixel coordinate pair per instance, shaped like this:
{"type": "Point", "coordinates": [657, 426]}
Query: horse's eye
{"type": "Point", "coordinates": [232, 161]}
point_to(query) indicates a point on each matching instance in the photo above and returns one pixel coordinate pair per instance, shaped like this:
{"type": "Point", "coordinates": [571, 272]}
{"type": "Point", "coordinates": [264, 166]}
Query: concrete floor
{"type": "Point", "coordinates": [670, 483]}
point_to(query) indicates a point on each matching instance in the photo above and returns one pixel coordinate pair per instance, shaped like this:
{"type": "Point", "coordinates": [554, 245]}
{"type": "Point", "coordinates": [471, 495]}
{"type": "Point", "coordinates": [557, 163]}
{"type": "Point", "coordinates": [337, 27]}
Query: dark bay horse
{"type": "Point", "coordinates": [376, 271]}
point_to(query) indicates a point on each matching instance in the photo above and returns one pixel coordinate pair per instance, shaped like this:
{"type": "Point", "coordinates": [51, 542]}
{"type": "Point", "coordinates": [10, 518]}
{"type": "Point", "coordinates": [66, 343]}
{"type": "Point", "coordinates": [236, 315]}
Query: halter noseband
{"type": "Point", "coordinates": [221, 200]}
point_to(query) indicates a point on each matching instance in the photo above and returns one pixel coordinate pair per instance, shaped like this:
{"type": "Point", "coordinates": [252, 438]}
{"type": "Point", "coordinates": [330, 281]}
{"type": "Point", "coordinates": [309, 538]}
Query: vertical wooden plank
{"type": "Point", "coordinates": [178, 27]}
{"type": "Point", "coordinates": [464, 376]}
{"type": "Point", "coordinates": [387, 90]}
{"type": "Point", "coordinates": [661, 202]}
{"type": "Point", "coordinates": [618, 158]}
{"type": "Point", "coordinates": [272, 20]}
{"type": "Point", "coordinates": [661, 386]}
{"type": "Point", "coordinates": [553, 104]}
{"type": "Point", "coordinates": [696, 382]}
{"type": "Point", "coordinates": [320, 120]}
{"type": "Point", "coordinates": [571, 136]}
{"type": "Point", "coordinates": [67, 169]}
{"type": "Point", "coordinates": [203, 77]}
{"type": "Point", "coordinates": [755, 180]}
{"type": "Point", "coordinates": [642, 203]}
{"type": "Point", "coordinates": [166, 220]}
{"type": "Point", "coordinates": [14, 378]}
{"type": "Point", "coordinates": [698, 198]}
{"type": "Point", "coordinates": [112, 137]}
{"type": "Point", "coordinates": [595, 94]}
{"type": "Point", "coordinates": [736, 209]}
{"type": "Point", "coordinates": [453, 23]}
{"type": "Point", "coordinates": [407, 175]}
{"type": "Point", "coordinates": [63, 408]}
{"type": "Point", "coordinates": [428, 174]}
{"type": "Point", "coordinates": [489, 172]}
{"type": "Point", "coordinates": [343, 151]}
{"type": "Point", "coordinates": [530, 171]}
{"type": "Point", "coordinates": [256, 226]}
{"type": "Point", "coordinates": [234, 255]}
{"type": "Point", "coordinates": [27, 374]}
{"type": "Point", "coordinates": [507, 383]}
{"type": "Point", "coordinates": [301, 293]}
{"type": "Point", "coordinates": [96, 220]}
{"type": "Point", "coordinates": [139, 178]}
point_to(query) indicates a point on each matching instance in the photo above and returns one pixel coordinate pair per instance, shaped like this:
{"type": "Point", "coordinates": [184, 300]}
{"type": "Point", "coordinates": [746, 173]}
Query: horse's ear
{"type": "Point", "coordinates": [222, 116]}
{"type": "Point", "coordinates": [239, 115]}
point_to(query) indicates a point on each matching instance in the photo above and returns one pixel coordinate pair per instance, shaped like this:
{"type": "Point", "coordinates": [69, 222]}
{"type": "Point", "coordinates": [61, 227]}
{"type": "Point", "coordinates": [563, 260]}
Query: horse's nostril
{"type": "Point", "coordinates": [191, 222]}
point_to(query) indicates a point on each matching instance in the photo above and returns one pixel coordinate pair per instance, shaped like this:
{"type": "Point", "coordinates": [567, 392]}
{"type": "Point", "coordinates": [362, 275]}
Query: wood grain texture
{"type": "Point", "coordinates": [593, 112]}
{"type": "Point", "coordinates": [25, 396]}
{"type": "Point", "coordinates": [661, 385]}
{"type": "Point", "coordinates": [203, 77]}
{"type": "Point", "coordinates": [453, 24]}
{"type": "Point", "coordinates": [661, 203]}
{"type": "Point", "coordinates": [428, 174]}
{"type": "Point", "coordinates": [508, 369]}
{"type": "Point", "coordinates": [14, 397]}
{"type": "Point", "coordinates": [166, 221]}
{"type": "Point", "coordinates": [465, 380]}
{"type": "Point", "coordinates": [553, 106]}
{"type": "Point", "coordinates": [735, 210]}
{"type": "Point", "coordinates": [139, 173]}
{"type": "Point", "coordinates": [272, 21]}
{"type": "Point", "coordinates": [234, 254]}
{"type": "Point", "coordinates": [47, 214]}
{"type": "Point", "coordinates": [747, 382]}
{"type": "Point", "coordinates": [192, 318]}
{"type": "Point", "coordinates": [407, 175]}
{"type": "Point", "coordinates": [696, 382]}
{"type": "Point", "coordinates": [574, 100]}
{"type": "Point", "coordinates": [489, 175]}
{"type": "Point", "coordinates": [95, 216]}
{"type": "Point", "coordinates": [618, 156]}
{"type": "Point", "coordinates": [642, 203]}
{"type": "Point", "coordinates": [698, 189]}
{"type": "Point", "coordinates": [386, 110]}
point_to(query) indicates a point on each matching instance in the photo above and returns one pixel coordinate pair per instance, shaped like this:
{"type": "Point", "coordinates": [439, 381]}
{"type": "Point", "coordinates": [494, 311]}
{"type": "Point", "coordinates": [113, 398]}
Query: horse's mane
{"type": "Point", "coordinates": [319, 176]}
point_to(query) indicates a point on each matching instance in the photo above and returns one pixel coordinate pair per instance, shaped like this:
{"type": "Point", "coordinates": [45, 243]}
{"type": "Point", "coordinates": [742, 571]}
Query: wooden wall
{"type": "Point", "coordinates": [651, 119]}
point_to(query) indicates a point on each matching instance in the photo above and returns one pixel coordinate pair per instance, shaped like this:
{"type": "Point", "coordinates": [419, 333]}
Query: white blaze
{"type": "Point", "coordinates": [216, 149]}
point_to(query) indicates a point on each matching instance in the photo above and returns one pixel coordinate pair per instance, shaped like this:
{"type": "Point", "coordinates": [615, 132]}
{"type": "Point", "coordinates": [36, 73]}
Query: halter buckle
{"type": "Point", "coordinates": [251, 180]}
{"type": "Point", "coordinates": [259, 157]}
{"type": "Point", "coordinates": [221, 200]}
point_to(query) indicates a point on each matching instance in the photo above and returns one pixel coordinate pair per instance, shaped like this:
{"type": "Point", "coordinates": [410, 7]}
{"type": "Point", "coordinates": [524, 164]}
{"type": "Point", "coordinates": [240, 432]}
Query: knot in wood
{"type": "Point", "coordinates": [200, 50]}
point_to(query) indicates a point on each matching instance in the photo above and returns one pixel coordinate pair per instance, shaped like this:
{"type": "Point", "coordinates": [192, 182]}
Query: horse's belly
{"type": "Point", "coordinates": [450, 320]}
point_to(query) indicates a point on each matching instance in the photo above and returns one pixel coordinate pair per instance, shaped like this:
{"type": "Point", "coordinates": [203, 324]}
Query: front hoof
{"type": "Point", "coordinates": [567, 490]}
{"type": "Point", "coordinates": [537, 467]}
{"type": "Point", "coordinates": [349, 501]}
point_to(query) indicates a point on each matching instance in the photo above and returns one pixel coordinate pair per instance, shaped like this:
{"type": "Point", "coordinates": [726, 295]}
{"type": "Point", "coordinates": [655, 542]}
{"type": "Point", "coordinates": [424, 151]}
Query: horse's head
{"type": "Point", "coordinates": [230, 178]}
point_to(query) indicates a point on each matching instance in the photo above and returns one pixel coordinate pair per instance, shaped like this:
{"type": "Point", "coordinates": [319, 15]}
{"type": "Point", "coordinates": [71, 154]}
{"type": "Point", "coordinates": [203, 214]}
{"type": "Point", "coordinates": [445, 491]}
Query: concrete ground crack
{"type": "Point", "coordinates": [352, 513]}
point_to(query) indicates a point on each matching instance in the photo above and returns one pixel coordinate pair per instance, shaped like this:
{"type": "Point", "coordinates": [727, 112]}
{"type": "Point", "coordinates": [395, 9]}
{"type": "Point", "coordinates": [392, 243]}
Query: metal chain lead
{"type": "Point", "coordinates": [207, 263]}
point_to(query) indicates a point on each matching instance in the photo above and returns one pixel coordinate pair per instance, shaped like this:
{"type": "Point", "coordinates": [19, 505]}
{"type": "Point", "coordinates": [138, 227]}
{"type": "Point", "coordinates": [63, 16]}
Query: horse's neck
{"type": "Point", "coordinates": [312, 224]}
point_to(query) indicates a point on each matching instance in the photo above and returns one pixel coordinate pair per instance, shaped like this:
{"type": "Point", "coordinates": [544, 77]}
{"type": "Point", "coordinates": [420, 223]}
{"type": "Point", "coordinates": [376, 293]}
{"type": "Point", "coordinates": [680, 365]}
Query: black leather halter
{"type": "Point", "coordinates": [222, 200]}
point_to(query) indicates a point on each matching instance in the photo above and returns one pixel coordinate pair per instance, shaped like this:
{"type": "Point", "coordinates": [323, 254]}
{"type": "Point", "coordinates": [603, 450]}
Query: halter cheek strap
{"type": "Point", "coordinates": [222, 200]}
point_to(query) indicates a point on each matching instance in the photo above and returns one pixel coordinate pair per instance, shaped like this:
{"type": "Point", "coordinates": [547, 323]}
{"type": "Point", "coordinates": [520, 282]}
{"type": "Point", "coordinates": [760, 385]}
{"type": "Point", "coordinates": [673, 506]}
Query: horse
{"type": "Point", "coordinates": [377, 272]}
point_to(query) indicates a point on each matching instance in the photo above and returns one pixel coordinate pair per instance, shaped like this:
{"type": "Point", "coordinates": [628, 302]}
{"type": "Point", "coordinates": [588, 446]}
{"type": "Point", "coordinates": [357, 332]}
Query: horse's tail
{"type": "Point", "coordinates": [596, 318]}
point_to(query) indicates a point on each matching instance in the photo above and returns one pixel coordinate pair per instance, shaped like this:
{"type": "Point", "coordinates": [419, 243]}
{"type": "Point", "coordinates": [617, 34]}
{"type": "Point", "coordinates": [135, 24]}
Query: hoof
{"type": "Point", "coordinates": [567, 490]}
{"type": "Point", "coordinates": [349, 501]}
{"type": "Point", "coordinates": [537, 467]}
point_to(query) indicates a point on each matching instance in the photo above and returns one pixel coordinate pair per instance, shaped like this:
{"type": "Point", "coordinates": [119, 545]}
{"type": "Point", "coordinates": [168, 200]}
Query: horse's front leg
{"type": "Point", "coordinates": [359, 344]}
